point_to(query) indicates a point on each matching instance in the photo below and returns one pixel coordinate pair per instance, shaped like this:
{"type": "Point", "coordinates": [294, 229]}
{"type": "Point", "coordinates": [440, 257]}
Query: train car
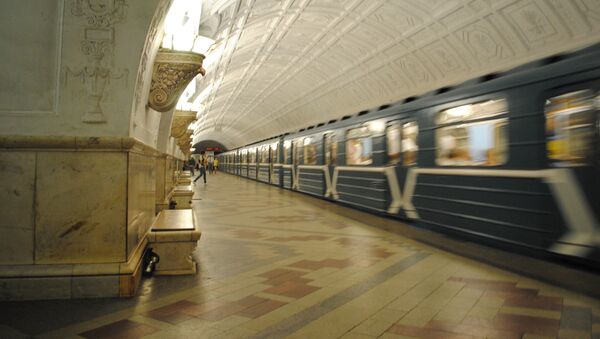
{"type": "Point", "coordinates": [309, 171]}
{"type": "Point", "coordinates": [512, 159]}
{"type": "Point", "coordinates": [288, 173]}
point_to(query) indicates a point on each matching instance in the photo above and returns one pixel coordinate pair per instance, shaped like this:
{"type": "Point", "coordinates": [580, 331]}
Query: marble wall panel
{"type": "Point", "coordinates": [161, 163]}
{"type": "Point", "coordinates": [30, 40]}
{"type": "Point", "coordinates": [140, 198]}
{"type": "Point", "coordinates": [95, 287]}
{"type": "Point", "coordinates": [17, 180]}
{"type": "Point", "coordinates": [170, 177]}
{"type": "Point", "coordinates": [80, 207]}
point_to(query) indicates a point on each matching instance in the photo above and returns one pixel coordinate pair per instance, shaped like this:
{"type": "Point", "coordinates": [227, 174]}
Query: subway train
{"type": "Point", "coordinates": [510, 159]}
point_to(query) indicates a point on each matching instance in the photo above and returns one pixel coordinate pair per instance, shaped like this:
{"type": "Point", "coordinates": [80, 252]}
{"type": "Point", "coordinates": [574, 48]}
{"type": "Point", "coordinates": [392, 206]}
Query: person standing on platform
{"type": "Point", "coordinates": [216, 165]}
{"type": "Point", "coordinates": [202, 169]}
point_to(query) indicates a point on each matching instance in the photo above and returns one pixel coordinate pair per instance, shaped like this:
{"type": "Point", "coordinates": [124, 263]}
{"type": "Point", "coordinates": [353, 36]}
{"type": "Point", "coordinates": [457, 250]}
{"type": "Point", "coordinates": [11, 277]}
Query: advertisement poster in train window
{"type": "Point", "coordinates": [570, 127]}
{"type": "Point", "coordinates": [275, 153]}
{"type": "Point", "coordinates": [410, 133]}
{"type": "Point", "coordinates": [286, 152]}
{"type": "Point", "coordinates": [296, 152]}
{"type": "Point", "coordinates": [393, 143]}
{"type": "Point", "coordinates": [264, 154]}
{"type": "Point", "coordinates": [330, 146]}
{"type": "Point", "coordinates": [310, 151]}
{"type": "Point", "coordinates": [359, 146]}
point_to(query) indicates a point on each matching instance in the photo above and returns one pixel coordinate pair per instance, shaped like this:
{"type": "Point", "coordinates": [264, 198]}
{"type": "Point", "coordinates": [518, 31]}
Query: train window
{"type": "Point", "coordinates": [310, 152]}
{"type": "Point", "coordinates": [252, 156]}
{"type": "Point", "coordinates": [264, 154]}
{"type": "Point", "coordinates": [570, 120]}
{"type": "Point", "coordinates": [393, 143]}
{"type": "Point", "coordinates": [295, 152]}
{"type": "Point", "coordinates": [473, 135]}
{"type": "Point", "coordinates": [410, 131]}
{"type": "Point", "coordinates": [287, 151]}
{"type": "Point", "coordinates": [359, 146]}
{"type": "Point", "coordinates": [275, 153]}
{"type": "Point", "coordinates": [330, 149]}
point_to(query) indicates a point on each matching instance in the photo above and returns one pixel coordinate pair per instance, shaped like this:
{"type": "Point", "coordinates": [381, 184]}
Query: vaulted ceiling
{"type": "Point", "coordinates": [280, 65]}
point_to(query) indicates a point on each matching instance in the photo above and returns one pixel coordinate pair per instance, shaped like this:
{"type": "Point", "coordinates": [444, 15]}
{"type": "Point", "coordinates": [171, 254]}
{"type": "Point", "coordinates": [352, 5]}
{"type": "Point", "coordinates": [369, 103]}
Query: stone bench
{"type": "Point", "coordinates": [174, 237]}
{"type": "Point", "coordinates": [182, 195]}
{"type": "Point", "coordinates": [184, 178]}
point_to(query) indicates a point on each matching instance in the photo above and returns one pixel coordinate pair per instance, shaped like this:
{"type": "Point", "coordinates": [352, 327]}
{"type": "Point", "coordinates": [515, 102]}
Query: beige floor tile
{"type": "Point", "coordinates": [419, 316]}
{"type": "Point", "coordinates": [379, 322]}
{"type": "Point", "coordinates": [395, 336]}
{"type": "Point", "coordinates": [483, 312]}
{"type": "Point", "coordinates": [274, 317]}
{"type": "Point", "coordinates": [573, 334]}
{"type": "Point", "coordinates": [354, 335]}
{"type": "Point", "coordinates": [230, 322]}
{"type": "Point", "coordinates": [246, 291]}
{"type": "Point", "coordinates": [452, 314]}
{"type": "Point", "coordinates": [235, 333]}
{"type": "Point", "coordinates": [333, 324]}
{"type": "Point", "coordinates": [535, 336]}
{"type": "Point", "coordinates": [489, 302]}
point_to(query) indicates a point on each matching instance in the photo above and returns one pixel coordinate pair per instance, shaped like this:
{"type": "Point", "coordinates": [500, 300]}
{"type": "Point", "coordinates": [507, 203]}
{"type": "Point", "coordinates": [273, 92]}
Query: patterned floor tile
{"type": "Point", "coordinates": [120, 329]}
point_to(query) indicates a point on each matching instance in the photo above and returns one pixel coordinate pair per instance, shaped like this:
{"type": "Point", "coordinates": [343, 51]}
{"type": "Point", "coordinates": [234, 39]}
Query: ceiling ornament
{"type": "Point", "coordinates": [172, 72]}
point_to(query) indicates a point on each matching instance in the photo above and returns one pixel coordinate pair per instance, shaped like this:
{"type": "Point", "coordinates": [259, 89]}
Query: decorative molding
{"type": "Point", "coordinates": [172, 72]}
{"type": "Point", "coordinates": [13, 142]}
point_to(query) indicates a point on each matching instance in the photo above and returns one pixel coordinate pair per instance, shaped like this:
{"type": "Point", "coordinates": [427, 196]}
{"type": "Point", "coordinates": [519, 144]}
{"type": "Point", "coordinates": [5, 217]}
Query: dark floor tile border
{"type": "Point", "coordinates": [302, 318]}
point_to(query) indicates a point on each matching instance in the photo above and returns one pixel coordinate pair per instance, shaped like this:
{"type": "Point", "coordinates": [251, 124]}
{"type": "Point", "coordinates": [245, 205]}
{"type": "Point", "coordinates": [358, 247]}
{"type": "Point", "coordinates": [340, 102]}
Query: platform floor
{"type": "Point", "coordinates": [274, 264]}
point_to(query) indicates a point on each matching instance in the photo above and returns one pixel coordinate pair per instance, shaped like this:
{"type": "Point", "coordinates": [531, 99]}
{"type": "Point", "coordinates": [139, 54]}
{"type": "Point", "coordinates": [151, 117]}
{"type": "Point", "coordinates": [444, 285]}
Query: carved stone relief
{"type": "Point", "coordinates": [181, 122]}
{"type": "Point", "coordinates": [171, 74]}
{"type": "Point", "coordinates": [98, 45]}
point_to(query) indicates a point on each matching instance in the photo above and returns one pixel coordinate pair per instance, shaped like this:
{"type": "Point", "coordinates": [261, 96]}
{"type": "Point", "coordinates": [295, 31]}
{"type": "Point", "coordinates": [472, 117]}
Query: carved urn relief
{"type": "Point", "coordinates": [172, 72]}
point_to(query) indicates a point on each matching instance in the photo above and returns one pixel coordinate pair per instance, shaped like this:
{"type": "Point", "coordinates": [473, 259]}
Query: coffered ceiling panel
{"type": "Point", "coordinates": [281, 65]}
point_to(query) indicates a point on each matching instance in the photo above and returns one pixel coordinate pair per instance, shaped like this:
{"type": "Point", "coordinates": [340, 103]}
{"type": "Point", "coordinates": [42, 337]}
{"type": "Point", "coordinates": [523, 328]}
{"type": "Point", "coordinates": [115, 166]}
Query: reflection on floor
{"type": "Point", "coordinates": [274, 263]}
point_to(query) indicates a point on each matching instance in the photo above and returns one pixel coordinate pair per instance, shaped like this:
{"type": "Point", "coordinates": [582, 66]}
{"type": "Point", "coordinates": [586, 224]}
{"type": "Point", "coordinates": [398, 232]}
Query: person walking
{"type": "Point", "coordinates": [202, 169]}
{"type": "Point", "coordinates": [216, 165]}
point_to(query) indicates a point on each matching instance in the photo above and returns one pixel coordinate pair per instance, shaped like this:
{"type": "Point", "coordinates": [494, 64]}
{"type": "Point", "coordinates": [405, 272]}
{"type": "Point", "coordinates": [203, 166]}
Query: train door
{"type": "Point", "coordinates": [275, 164]}
{"type": "Point", "coordinates": [402, 149]}
{"type": "Point", "coordinates": [330, 152]}
{"type": "Point", "coordinates": [287, 168]}
{"type": "Point", "coordinates": [312, 174]}
{"type": "Point", "coordinates": [295, 161]}
{"type": "Point", "coordinates": [572, 137]}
